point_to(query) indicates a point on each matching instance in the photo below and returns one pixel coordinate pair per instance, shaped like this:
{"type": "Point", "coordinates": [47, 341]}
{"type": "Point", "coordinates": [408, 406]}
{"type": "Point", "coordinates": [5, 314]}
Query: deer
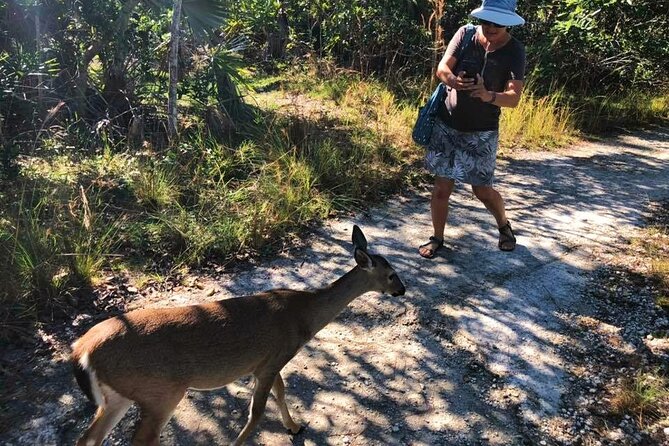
{"type": "Point", "coordinates": [152, 356]}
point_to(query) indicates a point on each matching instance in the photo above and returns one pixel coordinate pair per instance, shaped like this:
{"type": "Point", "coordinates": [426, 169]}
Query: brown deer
{"type": "Point", "coordinates": [152, 356]}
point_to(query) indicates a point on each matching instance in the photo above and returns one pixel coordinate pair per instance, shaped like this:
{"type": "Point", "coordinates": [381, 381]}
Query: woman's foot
{"type": "Point", "coordinates": [507, 240]}
{"type": "Point", "coordinates": [429, 249]}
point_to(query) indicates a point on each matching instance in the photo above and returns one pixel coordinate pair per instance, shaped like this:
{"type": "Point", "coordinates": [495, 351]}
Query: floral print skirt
{"type": "Point", "coordinates": [467, 157]}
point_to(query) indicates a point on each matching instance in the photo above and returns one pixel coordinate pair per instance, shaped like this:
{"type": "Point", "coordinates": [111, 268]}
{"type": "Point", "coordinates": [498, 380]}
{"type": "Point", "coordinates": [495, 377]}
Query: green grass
{"type": "Point", "coordinates": [51, 248]}
{"type": "Point", "coordinates": [203, 200]}
{"type": "Point", "coordinates": [656, 246]}
{"type": "Point", "coordinates": [537, 123]}
{"type": "Point", "coordinates": [155, 186]}
{"type": "Point", "coordinates": [629, 110]}
{"type": "Point", "coordinates": [91, 239]}
{"type": "Point", "coordinates": [342, 141]}
{"type": "Point", "coordinates": [644, 396]}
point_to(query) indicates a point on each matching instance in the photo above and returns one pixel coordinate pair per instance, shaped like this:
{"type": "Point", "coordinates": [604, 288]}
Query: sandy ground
{"type": "Point", "coordinates": [472, 354]}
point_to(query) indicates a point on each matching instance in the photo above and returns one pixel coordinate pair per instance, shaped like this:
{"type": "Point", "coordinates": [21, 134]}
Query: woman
{"type": "Point", "coordinates": [487, 75]}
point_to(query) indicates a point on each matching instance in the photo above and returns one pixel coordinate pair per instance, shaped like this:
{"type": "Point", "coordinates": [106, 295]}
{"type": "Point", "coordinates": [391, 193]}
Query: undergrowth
{"type": "Point", "coordinates": [64, 219]}
{"type": "Point", "coordinates": [645, 396]}
{"type": "Point", "coordinates": [596, 114]}
{"type": "Point", "coordinates": [655, 245]}
{"type": "Point", "coordinates": [536, 123]}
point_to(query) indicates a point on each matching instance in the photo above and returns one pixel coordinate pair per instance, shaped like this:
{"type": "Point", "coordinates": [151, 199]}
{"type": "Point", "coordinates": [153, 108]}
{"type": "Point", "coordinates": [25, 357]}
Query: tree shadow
{"type": "Point", "coordinates": [471, 355]}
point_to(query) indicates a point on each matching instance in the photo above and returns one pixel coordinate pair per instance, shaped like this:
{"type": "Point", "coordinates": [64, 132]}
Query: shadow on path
{"type": "Point", "coordinates": [470, 355]}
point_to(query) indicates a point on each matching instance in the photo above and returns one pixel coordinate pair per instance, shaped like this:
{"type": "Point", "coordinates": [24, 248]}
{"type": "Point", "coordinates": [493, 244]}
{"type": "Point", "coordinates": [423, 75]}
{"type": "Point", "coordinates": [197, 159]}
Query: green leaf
{"type": "Point", "coordinates": [204, 16]}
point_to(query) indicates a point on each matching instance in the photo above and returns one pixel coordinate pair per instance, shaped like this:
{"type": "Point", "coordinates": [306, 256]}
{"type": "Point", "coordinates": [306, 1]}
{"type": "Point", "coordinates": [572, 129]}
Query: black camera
{"type": "Point", "coordinates": [469, 75]}
{"type": "Point", "coordinates": [470, 67]}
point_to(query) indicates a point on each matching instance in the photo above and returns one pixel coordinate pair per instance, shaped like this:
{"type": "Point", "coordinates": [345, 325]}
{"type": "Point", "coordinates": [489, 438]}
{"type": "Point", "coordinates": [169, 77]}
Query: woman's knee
{"type": "Point", "coordinates": [484, 193]}
{"type": "Point", "coordinates": [443, 189]}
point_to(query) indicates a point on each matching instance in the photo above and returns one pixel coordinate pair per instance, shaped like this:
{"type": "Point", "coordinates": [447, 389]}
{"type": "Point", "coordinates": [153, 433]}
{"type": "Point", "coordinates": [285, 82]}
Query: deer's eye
{"type": "Point", "coordinates": [392, 277]}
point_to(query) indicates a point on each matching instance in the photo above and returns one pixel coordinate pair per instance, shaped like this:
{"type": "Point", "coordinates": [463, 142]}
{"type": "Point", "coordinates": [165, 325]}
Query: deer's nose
{"type": "Point", "coordinates": [399, 292]}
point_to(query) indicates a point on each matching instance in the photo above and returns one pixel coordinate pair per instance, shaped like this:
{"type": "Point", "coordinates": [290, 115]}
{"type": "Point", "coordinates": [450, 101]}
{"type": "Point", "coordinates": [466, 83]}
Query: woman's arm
{"type": "Point", "coordinates": [508, 98]}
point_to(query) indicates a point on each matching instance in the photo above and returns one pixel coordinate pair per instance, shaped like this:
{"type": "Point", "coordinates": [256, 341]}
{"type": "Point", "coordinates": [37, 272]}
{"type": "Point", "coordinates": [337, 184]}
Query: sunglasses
{"type": "Point", "coordinates": [487, 23]}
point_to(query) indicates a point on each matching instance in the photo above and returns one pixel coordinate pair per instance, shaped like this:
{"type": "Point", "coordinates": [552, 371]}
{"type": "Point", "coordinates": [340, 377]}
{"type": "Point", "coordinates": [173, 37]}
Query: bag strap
{"type": "Point", "coordinates": [467, 39]}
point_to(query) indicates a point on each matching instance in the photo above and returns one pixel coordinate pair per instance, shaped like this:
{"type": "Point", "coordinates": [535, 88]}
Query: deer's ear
{"type": "Point", "coordinates": [363, 259]}
{"type": "Point", "coordinates": [359, 240]}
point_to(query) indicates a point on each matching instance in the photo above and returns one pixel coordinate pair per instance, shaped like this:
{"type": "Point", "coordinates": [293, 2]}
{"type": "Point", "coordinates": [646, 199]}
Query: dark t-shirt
{"type": "Point", "coordinates": [497, 68]}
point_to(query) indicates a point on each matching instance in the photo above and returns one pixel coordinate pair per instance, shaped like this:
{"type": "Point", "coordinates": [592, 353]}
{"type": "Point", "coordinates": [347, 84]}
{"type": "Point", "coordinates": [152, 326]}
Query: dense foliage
{"type": "Point", "coordinates": [65, 61]}
{"type": "Point", "coordinates": [90, 174]}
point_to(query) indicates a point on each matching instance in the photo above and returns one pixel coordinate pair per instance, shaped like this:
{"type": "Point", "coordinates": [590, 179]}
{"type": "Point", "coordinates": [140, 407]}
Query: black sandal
{"type": "Point", "coordinates": [507, 240]}
{"type": "Point", "coordinates": [431, 251]}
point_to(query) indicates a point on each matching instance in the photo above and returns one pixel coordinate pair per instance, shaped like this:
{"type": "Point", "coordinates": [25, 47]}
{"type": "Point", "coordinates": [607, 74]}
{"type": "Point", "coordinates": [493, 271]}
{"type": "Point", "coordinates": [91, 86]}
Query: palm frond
{"type": "Point", "coordinates": [203, 16]}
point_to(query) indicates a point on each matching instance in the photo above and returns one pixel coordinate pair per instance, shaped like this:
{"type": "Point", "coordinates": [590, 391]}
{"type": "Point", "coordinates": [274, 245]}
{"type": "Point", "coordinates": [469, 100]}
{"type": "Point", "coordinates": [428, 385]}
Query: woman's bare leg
{"type": "Point", "coordinates": [495, 204]}
{"type": "Point", "coordinates": [493, 201]}
{"type": "Point", "coordinates": [441, 192]}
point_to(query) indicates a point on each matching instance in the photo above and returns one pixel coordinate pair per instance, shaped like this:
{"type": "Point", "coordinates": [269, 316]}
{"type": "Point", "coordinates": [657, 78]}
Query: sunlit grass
{"type": "Point", "coordinates": [51, 247]}
{"type": "Point", "coordinates": [366, 107]}
{"type": "Point", "coordinates": [660, 267]}
{"type": "Point", "coordinates": [537, 123]}
{"type": "Point", "coordinates": [631, 109]}
{"type": "Point", "coordinates": [91, 241]}
{"type": "Point", "coordinates": [155, 186]}
{"type": "Point", "coordinates": [283, 197]}
{"type": "Point", "coordinates": [655, 246]}
{"type": "Point", "coordinates": [340, 141]}
{"type": "Point", "coordinates": [33, 250]}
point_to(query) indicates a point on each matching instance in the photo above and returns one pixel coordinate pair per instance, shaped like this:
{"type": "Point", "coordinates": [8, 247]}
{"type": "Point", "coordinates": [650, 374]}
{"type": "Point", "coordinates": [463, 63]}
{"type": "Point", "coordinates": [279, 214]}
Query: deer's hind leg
{"type": "Point", "coordinates": [155, 412]}
{"type": "Point", "coordinates": [279, 392]}
{"type": "Point", "coordinates": [107, 416]}
{"type": "Point", "coordinates": [261, 391]}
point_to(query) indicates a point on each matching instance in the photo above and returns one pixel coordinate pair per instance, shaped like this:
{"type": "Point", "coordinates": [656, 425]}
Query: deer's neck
{"type": "Point", "coordinates": [331, 300]}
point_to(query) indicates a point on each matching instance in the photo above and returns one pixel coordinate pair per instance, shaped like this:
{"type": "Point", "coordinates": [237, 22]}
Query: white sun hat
{"type": "Point", "coordinates": [501, 12]}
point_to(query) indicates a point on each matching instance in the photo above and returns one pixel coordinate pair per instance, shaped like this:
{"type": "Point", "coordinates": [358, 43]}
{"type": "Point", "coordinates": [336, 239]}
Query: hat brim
{"type": "Point", "coordinates": [498, 16]}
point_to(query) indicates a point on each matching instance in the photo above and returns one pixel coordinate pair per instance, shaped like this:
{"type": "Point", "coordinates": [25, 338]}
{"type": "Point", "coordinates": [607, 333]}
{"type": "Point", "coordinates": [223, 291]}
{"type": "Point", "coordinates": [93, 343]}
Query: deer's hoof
{"type": "Point", "coordinates": [295, 430]}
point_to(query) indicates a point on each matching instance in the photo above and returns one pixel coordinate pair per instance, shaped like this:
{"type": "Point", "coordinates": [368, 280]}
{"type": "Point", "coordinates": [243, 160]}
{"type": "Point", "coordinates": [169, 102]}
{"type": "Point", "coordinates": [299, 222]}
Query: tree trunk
{"type": "Point", "coordinates": [173, 65]}
{"type": "Point", "coordinates": [277, 40]}
{"type": "Point", "coordinates": [438, 38]}
{"type": "Point", "coordinates": [121, 25]}
{"type": "Point", "coordinates": [40, 76]}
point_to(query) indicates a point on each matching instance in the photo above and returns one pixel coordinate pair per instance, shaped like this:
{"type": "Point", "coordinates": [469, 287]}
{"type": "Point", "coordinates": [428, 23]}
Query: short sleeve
{"type": "Point", "coordinates": [517, 68]}
{"type": "Point", "coordinates": [455, 44]}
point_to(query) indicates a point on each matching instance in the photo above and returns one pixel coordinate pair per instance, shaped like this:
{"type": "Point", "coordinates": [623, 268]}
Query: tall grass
{"type": "Point", "coordinates": [32, 251]}
{"type": "Point", "coordinates": [630, 109]}
{"type": "Point", "coordinates": [537, 122]}
{"type": "Point", "coordinates": [91, 240]}
{"type": "Point", "coordinates": [155, 186]}
{"type": "Point", "coordinates": [50, 250]}
{"type": "Point", "coordinates": [655, 245]}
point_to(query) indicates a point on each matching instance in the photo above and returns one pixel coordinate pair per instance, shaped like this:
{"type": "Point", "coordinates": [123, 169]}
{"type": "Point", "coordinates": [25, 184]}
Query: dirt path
{"type": "Point", "coordinates": [479, 351]}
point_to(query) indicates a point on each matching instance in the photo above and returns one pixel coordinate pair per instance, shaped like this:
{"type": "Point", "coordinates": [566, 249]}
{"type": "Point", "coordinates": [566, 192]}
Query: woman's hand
{"type": "Point", "coordinates": [460, 82]}
{"type": "Point", "coordinates": [478, 90]}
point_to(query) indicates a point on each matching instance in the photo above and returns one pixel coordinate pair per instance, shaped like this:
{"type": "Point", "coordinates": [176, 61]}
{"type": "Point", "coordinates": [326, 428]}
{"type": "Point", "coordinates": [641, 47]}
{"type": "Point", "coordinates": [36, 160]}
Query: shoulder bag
{"type": "Point", "coordinates": [422, 130]}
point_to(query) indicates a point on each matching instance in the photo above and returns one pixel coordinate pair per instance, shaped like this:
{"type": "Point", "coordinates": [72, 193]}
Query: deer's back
{"type": "Point", "coordinates": [200, 346]}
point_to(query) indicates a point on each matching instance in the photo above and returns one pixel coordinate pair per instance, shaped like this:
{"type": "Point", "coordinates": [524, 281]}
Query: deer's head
{"type": "Point", "coordinates": [382, 276]}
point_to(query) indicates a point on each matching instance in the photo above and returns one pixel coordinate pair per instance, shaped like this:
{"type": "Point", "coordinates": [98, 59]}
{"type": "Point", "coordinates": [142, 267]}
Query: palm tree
{"type": "Point", "coordinates": [202, 15]}
{"type": "Point", "coordinates": [173, 64]}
